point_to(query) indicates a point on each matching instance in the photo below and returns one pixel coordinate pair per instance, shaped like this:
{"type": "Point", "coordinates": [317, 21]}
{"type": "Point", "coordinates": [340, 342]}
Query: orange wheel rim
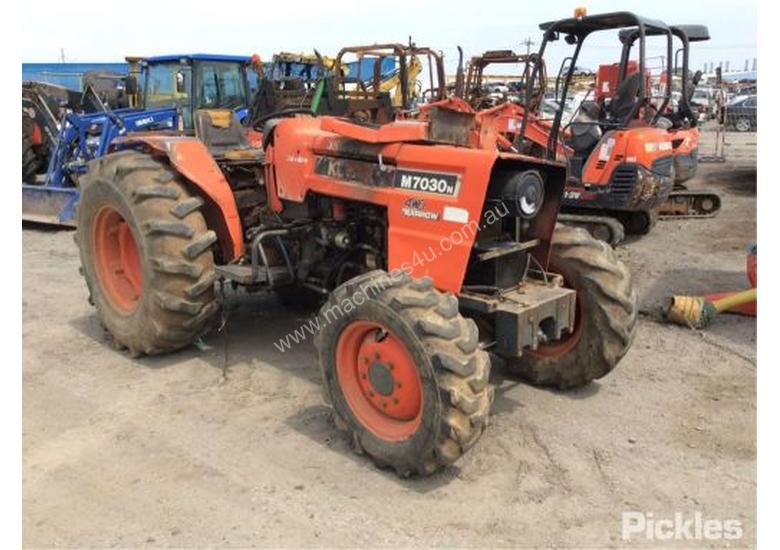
{"type": "Point", "coordinates": [379, 380]}
{"type": "Point", "coordinates": [117, 262]}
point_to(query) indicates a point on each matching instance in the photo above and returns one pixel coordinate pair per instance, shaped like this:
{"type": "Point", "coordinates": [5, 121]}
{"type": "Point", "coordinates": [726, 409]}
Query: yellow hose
{"type": "Point", "coordinates": [696, 312]}
{"type": "Point", "coordinates": [737, 299]}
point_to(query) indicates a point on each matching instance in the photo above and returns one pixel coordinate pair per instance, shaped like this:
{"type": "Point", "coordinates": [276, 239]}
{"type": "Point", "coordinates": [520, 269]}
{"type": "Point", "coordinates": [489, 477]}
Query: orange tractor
{"type": "Point", "coordinates": [412, 236]}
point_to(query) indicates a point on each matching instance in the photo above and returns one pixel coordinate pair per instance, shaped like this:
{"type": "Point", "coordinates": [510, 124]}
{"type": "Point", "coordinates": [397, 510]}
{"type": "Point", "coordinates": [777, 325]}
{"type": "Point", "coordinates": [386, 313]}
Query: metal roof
{"type": "Point", "coordinates": [694, 33]}
{"type": "Point", "coordinates": [602, 22]}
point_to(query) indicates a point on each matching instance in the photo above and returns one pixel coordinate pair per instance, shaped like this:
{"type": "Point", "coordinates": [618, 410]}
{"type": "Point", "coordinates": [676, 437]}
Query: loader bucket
{"type": "Point", "coordinates": [49, 205]}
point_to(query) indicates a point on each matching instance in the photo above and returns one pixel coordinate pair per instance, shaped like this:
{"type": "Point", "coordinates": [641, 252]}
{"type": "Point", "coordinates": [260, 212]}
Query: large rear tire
{"type": "Point", "coordinates": [403, 372]}
{"type": "Point", "coordinates": [606, 315]}
{"type": "Point", "coordinates": [145, 253]}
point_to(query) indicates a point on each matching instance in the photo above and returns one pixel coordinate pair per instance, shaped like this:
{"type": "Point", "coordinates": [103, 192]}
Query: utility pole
{"type": "Point", "coordinates": [528, 43]}
{"type": "Point", "coordinates": [62, 55]}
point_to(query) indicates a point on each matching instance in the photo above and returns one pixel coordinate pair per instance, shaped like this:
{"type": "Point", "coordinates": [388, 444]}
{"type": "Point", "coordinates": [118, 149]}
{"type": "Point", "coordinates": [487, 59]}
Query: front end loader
{"type": "Point", "coordinates": [63, 130]}
{"type": "Point", "coordinates": [427, 257]}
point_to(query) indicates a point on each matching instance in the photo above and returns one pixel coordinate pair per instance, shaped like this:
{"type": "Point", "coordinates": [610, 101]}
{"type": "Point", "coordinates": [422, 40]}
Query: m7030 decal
{"type": "Point", "coordinates": [427, 182]}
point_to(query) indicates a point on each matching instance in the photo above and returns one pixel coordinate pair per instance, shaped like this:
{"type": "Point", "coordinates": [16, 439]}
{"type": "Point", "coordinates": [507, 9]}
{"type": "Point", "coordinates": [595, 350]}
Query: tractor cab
{"type": "Point", "coordinates": [195, 81]}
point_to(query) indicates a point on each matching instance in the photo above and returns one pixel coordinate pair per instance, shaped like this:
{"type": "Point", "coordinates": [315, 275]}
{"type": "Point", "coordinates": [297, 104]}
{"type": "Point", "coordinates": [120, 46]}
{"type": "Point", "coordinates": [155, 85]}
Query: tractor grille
{"type": "Point", "coordinates": [623, 180]}
{"type": "Point", "coordinates": [663, 166]}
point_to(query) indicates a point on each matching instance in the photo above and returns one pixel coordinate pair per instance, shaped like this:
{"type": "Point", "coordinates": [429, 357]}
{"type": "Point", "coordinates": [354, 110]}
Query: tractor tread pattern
{"type": "Point", "coordinates": [610, 313]}
{"type": "Point", "coordinates": [155, 192]}
{"type": "Point", "coordinates": [187, 206]}
{"type": "Point", "coordinates": [461, 369]}
{"type": "Point", "coordinates": [178, 298]}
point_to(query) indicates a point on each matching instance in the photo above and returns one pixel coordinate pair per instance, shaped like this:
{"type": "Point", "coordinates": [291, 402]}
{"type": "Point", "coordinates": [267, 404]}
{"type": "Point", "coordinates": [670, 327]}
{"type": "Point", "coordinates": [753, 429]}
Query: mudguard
{"type": "Point", "coordinates": [193, 160]}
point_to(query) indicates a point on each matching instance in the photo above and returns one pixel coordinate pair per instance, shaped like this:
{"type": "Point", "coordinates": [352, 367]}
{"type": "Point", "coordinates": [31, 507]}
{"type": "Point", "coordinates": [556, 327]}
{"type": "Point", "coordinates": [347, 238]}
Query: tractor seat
{"type": "Point", "coordinates": [585, 132]}
{"type": "Point", "coordinates": [625, 98]}
{"type": "Point", "coordinates": [222, 134]}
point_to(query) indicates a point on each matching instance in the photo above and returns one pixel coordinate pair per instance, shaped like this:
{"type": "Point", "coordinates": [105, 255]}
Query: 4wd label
{"type": "Point", "coordinates": [427, 182]}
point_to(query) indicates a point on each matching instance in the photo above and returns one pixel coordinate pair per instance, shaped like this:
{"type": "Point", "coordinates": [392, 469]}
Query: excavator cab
{"type": "Point", "coordinates": [683, 115]}
{"type": "Point", "coordinates": [682, 123]}
{"type": "Point", "coordinates": [618, 173]}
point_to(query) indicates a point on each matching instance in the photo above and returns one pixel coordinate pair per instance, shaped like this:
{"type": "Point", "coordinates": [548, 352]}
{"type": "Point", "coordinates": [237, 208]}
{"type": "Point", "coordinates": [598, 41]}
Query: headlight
{"type": "Point", "coordinates": [523, 194]}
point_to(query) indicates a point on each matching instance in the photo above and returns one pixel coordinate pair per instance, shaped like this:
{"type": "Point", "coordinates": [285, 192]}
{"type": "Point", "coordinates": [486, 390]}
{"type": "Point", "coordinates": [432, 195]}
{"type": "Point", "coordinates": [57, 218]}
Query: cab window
{"type": "Point", "coordinates": [167, 84]}
{"type": "Point", "coordinates": [222, 85]}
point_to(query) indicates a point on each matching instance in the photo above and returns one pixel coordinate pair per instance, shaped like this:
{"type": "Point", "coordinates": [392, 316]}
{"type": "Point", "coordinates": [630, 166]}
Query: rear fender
{"type": "Point", "coordinates": [193, 160]}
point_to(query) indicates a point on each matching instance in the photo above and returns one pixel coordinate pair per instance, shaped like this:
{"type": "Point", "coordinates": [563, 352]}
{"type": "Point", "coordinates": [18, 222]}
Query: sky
{"type": "Point", "coordinates": [108, 30]}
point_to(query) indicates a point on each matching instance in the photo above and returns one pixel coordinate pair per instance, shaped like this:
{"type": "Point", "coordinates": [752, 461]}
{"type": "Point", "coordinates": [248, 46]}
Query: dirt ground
{"type": "Point", "coordinates": [191, 450]}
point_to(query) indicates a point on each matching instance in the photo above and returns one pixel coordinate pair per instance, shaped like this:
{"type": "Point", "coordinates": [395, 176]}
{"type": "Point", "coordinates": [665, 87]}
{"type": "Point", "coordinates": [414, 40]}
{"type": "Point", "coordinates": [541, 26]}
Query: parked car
{"type": "Point", "coordinates": [704, 102]}
{"type": "Point", "coordinates": [741, 114]}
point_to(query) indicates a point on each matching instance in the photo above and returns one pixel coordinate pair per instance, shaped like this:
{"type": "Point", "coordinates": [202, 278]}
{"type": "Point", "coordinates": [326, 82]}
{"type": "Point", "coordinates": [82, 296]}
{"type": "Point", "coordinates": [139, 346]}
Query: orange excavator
{"type": "Point", "coordinates": [682, 124]}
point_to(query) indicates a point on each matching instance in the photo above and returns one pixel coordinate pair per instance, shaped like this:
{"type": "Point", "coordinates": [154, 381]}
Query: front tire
{"type": "Point", "coordinates": [145, 253]}
{"type": "Point", "coordinates": [605, 325]}
{"type": "Point", "coordinates": [403, 372]}
{"type": "Point", "coordinates": [743, 125]}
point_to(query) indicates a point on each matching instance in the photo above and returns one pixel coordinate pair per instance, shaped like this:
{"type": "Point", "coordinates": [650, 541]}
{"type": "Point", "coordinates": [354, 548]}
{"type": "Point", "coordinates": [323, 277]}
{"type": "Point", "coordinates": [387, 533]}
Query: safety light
{"type": "Point", "coordinates": [580, 12]}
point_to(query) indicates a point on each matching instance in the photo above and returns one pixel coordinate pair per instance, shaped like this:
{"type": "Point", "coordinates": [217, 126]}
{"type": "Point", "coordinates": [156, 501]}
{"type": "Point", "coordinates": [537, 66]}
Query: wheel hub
{"type": "Point", "coordinates": [381, 379]}
{"type": "Point", "coordinates": [116, 258]}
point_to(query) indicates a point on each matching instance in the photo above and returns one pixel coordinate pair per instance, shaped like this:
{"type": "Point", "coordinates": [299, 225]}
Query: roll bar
{"type": "Point", "coordinates": [576, 30]}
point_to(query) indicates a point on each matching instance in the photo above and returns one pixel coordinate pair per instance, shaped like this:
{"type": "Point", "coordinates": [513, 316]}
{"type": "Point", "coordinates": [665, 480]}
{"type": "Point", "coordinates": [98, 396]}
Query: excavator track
{"type": "Point", "coordinates": [684, 204]}
{"type": "Point", "coordinates": [603, 228]}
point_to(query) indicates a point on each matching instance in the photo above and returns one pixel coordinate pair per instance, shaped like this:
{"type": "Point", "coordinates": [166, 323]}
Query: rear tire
{"type": "Point", "coordinates": [145, 253]}
{"type": "Point", "coordinates": [31, 163]}
{"type": "Point", "coordinates": [607, 311]}
{"type": "Point", "coordinates": [442, 407]}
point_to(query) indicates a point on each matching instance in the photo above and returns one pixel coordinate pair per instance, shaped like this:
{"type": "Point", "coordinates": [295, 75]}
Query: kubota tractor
{"type": "Point", "coordinates": [413, 237]}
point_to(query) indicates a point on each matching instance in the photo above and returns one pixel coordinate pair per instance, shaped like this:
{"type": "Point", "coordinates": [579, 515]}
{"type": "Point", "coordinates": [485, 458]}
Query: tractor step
{"type": "Point", "coordinates": [245, 275]}
{"type": "Point", "coordinates": [685, 204]}
{"type": "Point", "coordinates": [603, 228]}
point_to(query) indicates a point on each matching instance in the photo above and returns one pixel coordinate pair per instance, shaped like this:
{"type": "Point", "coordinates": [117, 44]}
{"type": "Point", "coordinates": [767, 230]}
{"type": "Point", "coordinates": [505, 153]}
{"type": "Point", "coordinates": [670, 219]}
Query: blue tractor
{"type": "Point", "coordinates": [60, 136]}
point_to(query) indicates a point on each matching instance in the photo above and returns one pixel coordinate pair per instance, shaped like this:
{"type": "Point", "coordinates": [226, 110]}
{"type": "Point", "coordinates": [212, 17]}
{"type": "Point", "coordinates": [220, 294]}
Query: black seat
{"type": "Point", "coordinates": [220, 131]}
{"type": "Point", "coordinates": [624, 101]}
